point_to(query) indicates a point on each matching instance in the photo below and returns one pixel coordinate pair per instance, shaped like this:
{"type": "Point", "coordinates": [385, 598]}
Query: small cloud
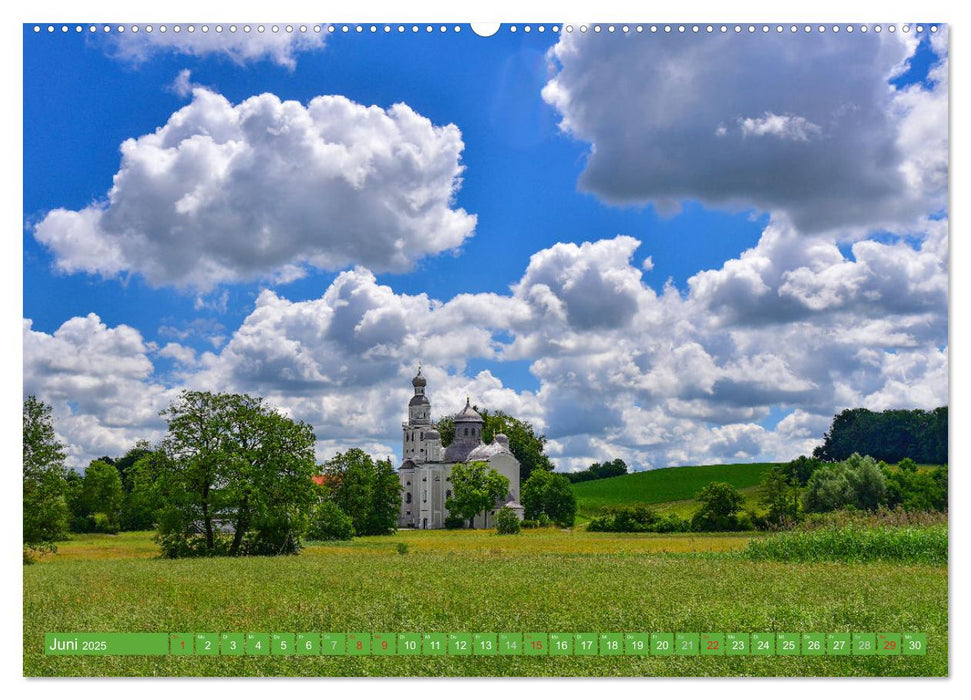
{"type": "Point", "coordinates": [787, 127]}
{"type": "Point", "coordinates": [648, 263]}
{"type": "Point", "coordinates": [183, 85]}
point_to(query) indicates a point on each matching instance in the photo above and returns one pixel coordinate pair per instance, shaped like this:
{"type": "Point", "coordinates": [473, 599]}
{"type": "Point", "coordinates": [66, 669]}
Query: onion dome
{"type": "Point", "coordinates": [419, 380]}
{"type": "Point", "coordinates": [502, 439]}
{"type": "Point", "coordinates": [419, 400]}
{"type": "Point", "coordinates": [433, 434]}
{"type": "Point", "coordinates": [468, 414]}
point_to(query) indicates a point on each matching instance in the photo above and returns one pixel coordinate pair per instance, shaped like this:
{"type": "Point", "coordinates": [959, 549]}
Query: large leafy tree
{"type": "Point", "coordinates": [101, 497]}
{"type": "Point", "coordinates": [366, 489]}
{"type": "Point", "coordinates": [720, 504]}
{"type": "Point", "coordinates": [234, 477]}
{"type": "Point", "coordinates": [552, 494]}
{"type": "Point", "coordinates": [45, 510]}
{"type": "Point", "coordinates": [525, 444]}
{"type": "Point", "coordinates": [476, 488]}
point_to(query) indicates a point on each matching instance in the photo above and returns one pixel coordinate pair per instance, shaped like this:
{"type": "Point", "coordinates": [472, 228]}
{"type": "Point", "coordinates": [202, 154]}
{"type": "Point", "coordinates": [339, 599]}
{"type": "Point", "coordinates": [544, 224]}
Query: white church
{"type": "Point", "coordinates": [426, 467]}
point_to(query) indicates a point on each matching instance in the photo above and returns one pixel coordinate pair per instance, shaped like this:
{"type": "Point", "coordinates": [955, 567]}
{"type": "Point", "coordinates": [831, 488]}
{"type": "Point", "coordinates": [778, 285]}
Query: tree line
{"type": "Point", "coordinates": [888, 436]}
{"type": "Point", "coordinates": [234, 476]}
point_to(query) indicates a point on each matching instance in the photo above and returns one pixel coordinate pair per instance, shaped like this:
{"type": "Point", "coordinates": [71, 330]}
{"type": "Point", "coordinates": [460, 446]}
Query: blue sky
{"type": "Point", "coordinates": [750, 183]}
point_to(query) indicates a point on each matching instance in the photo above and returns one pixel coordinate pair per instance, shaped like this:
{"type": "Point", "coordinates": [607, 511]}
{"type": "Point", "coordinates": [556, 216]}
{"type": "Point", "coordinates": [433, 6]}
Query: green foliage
{"type": "Point", "coordinates": [102, 495]}
{"type": "Point", "coordinates": [636, 518]}
{"type": "Point", "coordinates": [329, 522]}
{"type": "Point", "coordinates": [889, 436]}
{"type": "Point", "coordinates": [607, 470]}
{"type": "Point", "coordinates": [780, 493]}
{"type": "Point", "coordinates": [507, 523]}
{"type": "Point", "coordinates": [924, 545]}
{"type": "Point", "coordinates": [524, 443]}
{"type": "Point", "coordinates": [855, 482]}
{"type": "Point", "coordinates": [800, 469]}
{"type": "Point", "coordinates": [719, 511]}
{"type": "Point", "coordinates": [476, 487]}
{"type": "Point", "coordinates": [139, 511]}
{"type": "Point", "coordinates": [549, 494]}
{"type": "Point", "coordinates": [402, 548]}
{"type": "Point", "coordinates": [915, 490]}
{"type": "Point", "coordinates": [453, 521]}
{"type": "Point", "coordinates": [45, 511]}
{"type": "Point", "coordinates": [366, 489]}
{"type": "Point", "coordinates": [234, 477]}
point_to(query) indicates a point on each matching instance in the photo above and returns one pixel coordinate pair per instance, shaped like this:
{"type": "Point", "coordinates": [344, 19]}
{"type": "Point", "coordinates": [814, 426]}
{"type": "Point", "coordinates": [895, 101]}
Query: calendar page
{"type": "Point", "coordinates": [516, 349]}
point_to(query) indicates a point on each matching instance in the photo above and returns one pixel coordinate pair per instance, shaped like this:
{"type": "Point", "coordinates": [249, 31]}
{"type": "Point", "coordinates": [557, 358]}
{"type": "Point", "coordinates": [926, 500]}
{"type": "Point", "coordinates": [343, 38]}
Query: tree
{"type": "Point", "coordinates": [366, 489]}
{"type": "Point", "coordinates": [780, 492]}
{"type": "Point", "coordinates": [101, 497]}
{"type": "Point", "coordinates": [868, 482]}
{"type": "Point", "coordinates": [552, 494]}
{"type": "Point", "coordinates": [141, 501]}
{"type": "Point", "coordinates": [524, 443]}
{"type": "Point", "coordinates": [329, 522]}
{"type": "Point", "coordinates": [720, 504]}
{"type": "Point", "coordinates": [800, 469]}
{"type": "Point", "coordinates": [828, 489]}
{"type": "Point", "coordinates": [45, 511]}
{"type": "Point", "coordinates": [476, 487]}
{"type": "Point", "coordinates": [888, 436]}
{"type": "Point", "coordinates": [506, 522]}
{"type": "Point", "coordinates": [234, 477]}
{"type": "Point", "coordinates": [607, 470]}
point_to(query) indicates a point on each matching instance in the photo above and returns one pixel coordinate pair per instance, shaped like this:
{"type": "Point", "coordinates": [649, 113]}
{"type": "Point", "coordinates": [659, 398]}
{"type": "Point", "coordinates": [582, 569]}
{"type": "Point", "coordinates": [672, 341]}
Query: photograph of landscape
{"type": "Point", "coordinates": [453, 350]}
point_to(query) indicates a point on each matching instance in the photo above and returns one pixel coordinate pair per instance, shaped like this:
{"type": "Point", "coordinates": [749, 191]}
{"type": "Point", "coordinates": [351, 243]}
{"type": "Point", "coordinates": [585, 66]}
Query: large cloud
{"type": "Point", "coordinates": [240, 46]}
{"type": "Point", "coordinates": [656, 379]}
{"type": "Point", "coordinates": [806, 126]}
{"type": "Point", "coordinates": [263, 189]}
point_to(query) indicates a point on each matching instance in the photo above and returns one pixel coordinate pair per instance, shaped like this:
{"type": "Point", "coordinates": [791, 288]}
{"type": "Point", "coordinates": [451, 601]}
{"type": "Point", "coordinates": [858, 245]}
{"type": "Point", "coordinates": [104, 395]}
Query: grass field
{"type": "Point", "coordinates": [541, 580]}
{"type": "Point", "coordinates": [671, 490]}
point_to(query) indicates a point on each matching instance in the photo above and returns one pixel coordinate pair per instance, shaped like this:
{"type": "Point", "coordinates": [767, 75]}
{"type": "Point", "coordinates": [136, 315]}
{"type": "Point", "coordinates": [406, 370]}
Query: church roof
{"type": "Point", "coordinates": [418, 400]}
{"type": "Point", "coordinates": [468, 414]}
{"type": "Point", "coordinates": [484, 452]}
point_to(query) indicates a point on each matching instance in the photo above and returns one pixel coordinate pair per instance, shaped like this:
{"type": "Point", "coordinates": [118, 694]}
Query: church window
{"type": "Point", "coordinates": [448, 494]}
{"type": "Point", "coordinates": [465, 431]}
{"type": "Point", "coordinates": [407, 498]}
{"type": "Point", "coordinates": [424, 496]}
{"type": "Point", "coordinates": [422, 435]}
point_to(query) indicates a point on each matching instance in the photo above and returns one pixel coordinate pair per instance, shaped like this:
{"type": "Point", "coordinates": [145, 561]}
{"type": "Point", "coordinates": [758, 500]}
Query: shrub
{"type": "Point", "coordinates": [506, 522]}
{"type": "Point", "coordinates": [329, 522]}
{"type": "Point", "coordinates": [454, 522]}
{"type": "Point", "coordinates": [528, 524]}
{"type": "Point", "coordinates": [101, 522]}
{"type": "Point", "coordinates": [636, 518]}
{"type": "Point", "coordinates": [402, 548]}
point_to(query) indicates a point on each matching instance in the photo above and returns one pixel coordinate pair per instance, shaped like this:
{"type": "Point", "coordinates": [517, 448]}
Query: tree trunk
{"type": "Point", "coordinates": [241, 525]}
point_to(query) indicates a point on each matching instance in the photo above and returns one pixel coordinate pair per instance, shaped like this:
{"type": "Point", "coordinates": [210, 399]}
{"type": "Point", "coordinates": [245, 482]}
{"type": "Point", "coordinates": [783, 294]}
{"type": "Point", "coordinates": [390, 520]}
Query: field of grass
{"type": "Point", "coordinates": [542, 580]}
{"type": "Point", "coordinates": [674, 487]}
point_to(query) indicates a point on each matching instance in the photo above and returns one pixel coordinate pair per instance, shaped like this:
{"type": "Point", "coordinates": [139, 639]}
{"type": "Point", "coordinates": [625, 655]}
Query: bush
{"type": "Point", "coordinates": [330, 523]}
{"type": "Point", "coordinates": [636, 518]}
{"type": "Point", "coordinates": [855, 482]}
{"type": "Point", "coordinates": [100, 522]}
{"type": "Point", "coordinates": [402, 548]}
{"type": "Point", "coordinates": [454, 522]}
{"type": "Point", "coordinates": [528, 524]}
{"type": "Point", "coordinates": [506, 522]}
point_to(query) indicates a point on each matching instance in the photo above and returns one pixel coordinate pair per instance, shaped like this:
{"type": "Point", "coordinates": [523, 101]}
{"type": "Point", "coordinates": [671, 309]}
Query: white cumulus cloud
{"type": "Point", "coordinates": [265, 189]}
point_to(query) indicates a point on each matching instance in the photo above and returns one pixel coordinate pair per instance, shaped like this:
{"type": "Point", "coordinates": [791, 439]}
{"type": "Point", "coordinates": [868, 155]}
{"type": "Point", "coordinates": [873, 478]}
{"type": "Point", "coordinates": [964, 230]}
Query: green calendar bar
{"type": "Point", "coordinates": [106, 644]}
{"type": "Point", "coordinates": [283, 644]}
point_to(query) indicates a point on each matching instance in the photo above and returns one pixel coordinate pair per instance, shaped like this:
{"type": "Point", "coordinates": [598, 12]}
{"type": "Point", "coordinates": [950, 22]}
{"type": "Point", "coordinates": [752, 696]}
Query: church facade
{"type": "Point", "coordinates": [426, 467]}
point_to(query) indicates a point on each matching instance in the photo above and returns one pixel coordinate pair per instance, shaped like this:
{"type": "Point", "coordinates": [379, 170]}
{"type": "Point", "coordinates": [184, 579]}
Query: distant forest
{"type": "Point", "coordinates": [889, 436]}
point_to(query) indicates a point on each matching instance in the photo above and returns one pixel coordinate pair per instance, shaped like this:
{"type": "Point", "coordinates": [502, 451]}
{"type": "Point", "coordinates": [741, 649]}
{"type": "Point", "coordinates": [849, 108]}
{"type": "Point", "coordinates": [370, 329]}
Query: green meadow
{"type": "Point", "coordinates": [670, 490]}
{"type": "Point", "coordinates": [543, 580]}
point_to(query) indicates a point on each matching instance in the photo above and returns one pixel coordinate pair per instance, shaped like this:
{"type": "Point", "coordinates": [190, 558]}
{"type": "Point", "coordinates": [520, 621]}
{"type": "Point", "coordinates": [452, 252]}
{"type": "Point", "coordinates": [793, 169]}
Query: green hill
{"type": "Point", "coordinates": [665, 486]}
